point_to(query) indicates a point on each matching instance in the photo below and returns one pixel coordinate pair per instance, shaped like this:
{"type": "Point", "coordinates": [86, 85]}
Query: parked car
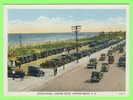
{"type": "Point", "coordinates": [93, 43]}
{"type": "Point", "coordinates": [105, 67]}
{"type": "Point", "coordinates": [84, 53]}
{"type": "Point", "coordinates": [121, 50]}
{"type": "Point", "coordinates": [63, 59]}
{"type": "Point", "coordinates": [96, 76]}
{"type": "Point", "coordinates": [21, 59]}
{"type": "Point", "coordinates": [110, 53]}
{"type": "Point", "coordinates": [48, 64]}
{"type": "Point", "coordinates": [17, 74]}
{"type": "Point", "coordinates": [35, 71]}
{"type": "Point", "coordinates": [43, 54]}
{"type": "Point", "coordinates": [78, 55]}
{"type": "Point", "coordinates": [34, 55]}
{"type": "Point", "coordinates": [102, 57]}
{"type": "Point", "coordinates": [58, 62]}
{"type": "Point", "coordinates": [92, 63]}
{"type": "Point", "coordinates": [122, 61]}
{"type": "Point", "coordinates": [71, 57]}
{"type": "Point", "coordinates": [111, 59]}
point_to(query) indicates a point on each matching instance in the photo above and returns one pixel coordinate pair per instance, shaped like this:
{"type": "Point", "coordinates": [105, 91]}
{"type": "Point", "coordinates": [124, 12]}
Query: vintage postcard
{"type": "Point", "coordinates": [66, 50]}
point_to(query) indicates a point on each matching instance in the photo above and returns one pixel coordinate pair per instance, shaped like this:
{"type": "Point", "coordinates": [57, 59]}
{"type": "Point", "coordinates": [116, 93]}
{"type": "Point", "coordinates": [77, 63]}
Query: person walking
{"type": "Point", "coordinates": [55, 71]}
{"type": "Point", "coordinates": [22, 75]}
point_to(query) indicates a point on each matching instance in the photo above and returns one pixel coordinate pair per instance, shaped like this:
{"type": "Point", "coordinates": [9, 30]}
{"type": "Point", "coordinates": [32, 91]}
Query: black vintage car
{"type": "Point", "coordinates": [102, 57]}
{"type": "Point", "coordinates": [16, 74]}
{"type": "Point", "coordinates": [58, 62]}
{"type": "Point", "coordinates": [21, 59]}
{"type": "Point", "coordinates": [122, 61]}
{"type": "Point", "coordinates": [70, 57]}
{"type": "Point", "coordinates": [92, 63]}
{"type": "Point", "coordinates": [110, 53]}
{"type": "Point", "coordinates": [121, 50]}
{"type": "Point", "coordinates": [105, 67]}
{"type": "Point", "coordinates": [49, 64]}
{"type": "Point", "coordinates": [93, 44]}
{"type": "Point", "coordinates": [35, 71]}
{"type": "Point", "coordinates": [63, 59]}
{"type": "Point", "coordinates": [43, 54]}
{"type": "Point", "coordinates": [96, 76]}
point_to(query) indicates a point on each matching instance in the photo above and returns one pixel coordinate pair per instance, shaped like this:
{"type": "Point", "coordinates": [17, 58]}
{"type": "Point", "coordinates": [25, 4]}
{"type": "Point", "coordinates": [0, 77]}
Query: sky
{"type": "Point", "coordinates": [61, 20]}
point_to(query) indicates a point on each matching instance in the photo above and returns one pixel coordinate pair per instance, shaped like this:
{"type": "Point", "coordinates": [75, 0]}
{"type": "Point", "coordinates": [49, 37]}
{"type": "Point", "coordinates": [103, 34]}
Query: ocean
{"type": "Point", "coordinates": [34, 38]}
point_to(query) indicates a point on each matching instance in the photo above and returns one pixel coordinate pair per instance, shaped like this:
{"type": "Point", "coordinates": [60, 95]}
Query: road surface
{"type": "Point", "coordinates": [78, 79]}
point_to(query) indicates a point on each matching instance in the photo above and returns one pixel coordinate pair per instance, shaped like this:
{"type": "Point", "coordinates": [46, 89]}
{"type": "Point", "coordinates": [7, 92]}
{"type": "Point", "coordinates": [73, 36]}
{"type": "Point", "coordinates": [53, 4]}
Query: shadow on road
{"type": "Point", "coordinates": [89, 81]}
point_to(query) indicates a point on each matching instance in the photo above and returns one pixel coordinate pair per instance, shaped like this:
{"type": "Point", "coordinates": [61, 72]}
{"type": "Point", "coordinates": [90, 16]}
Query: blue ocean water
{"type": "Point", "coordinates": [14, 39]}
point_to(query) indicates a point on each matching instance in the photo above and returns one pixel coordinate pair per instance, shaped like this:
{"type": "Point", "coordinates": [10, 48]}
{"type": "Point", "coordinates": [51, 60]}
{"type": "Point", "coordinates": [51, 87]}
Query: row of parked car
{"type": "Point", "coordinates": [64, 59]}
{"type": "Point", "coordinates": [121, 50]}
{"type": "Point", "coordinates": [43, 54]}
{"type": "Point", "coordinates": [119, 47]}
{"type": "Point", "coordinates": [94, 43]}
{"type": "Point", "coordinates": [122, 59]}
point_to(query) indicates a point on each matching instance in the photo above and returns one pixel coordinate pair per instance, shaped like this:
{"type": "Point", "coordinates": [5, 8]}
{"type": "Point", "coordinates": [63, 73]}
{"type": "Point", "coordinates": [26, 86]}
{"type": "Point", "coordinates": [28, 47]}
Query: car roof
{"type": "Point", "coordinates": [37, 66]}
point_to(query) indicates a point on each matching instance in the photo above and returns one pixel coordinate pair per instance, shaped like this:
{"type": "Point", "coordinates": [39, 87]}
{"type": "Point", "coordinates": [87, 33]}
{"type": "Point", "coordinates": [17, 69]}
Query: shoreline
{"type": "Point", "coordinates": [41, 41]}
{"type": "Point", "coordinates": [32, 44]}
{"type": "Point", "coordinates": [43, 46]}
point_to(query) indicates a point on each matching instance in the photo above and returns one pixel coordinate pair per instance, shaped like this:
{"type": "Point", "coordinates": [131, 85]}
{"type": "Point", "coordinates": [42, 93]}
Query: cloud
{"type": "Point", "coordinates": [45, 24]}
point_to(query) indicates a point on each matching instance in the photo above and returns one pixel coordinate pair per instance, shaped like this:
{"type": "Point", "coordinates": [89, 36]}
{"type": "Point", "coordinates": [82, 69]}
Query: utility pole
{"type": "Point", "coordinates": [76, 30]}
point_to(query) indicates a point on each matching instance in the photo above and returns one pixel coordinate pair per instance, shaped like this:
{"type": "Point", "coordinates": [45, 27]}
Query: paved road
{"type": "Point", "coordinates": [78, 79]}
{"type": "Point", "coordinates": [75, 77]}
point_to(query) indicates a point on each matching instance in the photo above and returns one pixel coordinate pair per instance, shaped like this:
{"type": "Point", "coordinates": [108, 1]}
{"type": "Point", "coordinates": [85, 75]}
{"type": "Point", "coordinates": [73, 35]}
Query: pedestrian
{"type": "Point", "coordinates": [18, 64]}
{"type": "Point", "coordinates": [63, 67]}
{"type": "Point", "coordinates": [14, 64]}
{"type": "Point", "coordinates": [55, 71]}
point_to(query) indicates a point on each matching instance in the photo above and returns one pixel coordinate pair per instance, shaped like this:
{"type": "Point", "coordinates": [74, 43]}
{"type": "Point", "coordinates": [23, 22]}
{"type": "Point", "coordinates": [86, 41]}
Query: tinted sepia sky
{"type": "Point", "coordinates": [61, 20]}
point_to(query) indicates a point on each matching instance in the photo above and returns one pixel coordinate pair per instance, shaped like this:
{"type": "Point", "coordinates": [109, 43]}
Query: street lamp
{"type": "Point", "coordinates": [76, 29]}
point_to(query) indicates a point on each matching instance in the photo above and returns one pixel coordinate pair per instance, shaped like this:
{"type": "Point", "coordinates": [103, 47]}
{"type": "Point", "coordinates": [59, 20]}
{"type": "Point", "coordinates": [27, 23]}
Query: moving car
{"type": "Point", "coordinates": [92, 63]}
{"type": "Point", "coordinates": [96, 76]}
{"type": "Point", "coordinates": [102, 57]}
{"type": "Point", "coordinates": [111, 59]}
{"type": "Point", "coordinates": [105, 67]}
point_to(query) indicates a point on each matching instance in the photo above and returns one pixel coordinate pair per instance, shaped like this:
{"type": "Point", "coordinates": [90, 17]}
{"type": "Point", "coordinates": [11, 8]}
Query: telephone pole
{"type": "Point", "coordinates": [76, 29]}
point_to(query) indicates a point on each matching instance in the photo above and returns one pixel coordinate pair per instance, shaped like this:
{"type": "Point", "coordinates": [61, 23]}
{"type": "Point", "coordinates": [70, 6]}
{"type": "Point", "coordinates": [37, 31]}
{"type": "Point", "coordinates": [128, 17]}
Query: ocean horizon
{"type": "Point", "coordinates": [34, 38]}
